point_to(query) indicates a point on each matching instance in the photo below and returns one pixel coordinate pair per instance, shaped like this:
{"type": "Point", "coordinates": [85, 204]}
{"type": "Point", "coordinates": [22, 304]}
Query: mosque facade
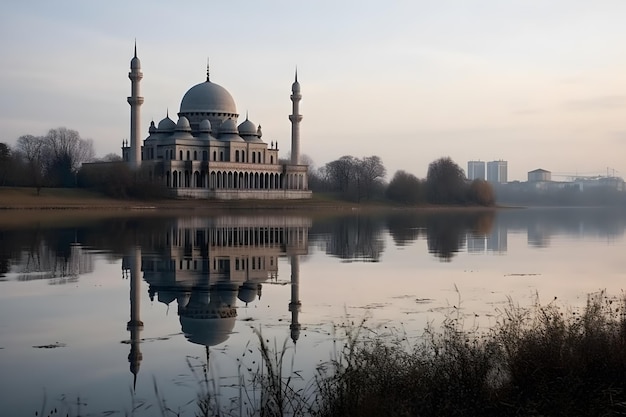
{"type": "Point", "coordinates": [205, 154]}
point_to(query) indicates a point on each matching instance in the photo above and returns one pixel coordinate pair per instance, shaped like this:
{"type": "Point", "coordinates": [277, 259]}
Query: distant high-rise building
{"type": "Point", "coordinates": [476, 170]}
{"type": "Point", "coordinates": [497, 171]}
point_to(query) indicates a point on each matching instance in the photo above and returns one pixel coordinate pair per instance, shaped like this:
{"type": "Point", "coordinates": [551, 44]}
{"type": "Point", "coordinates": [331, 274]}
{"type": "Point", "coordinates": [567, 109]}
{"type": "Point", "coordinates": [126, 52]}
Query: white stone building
{"type": "Point", "coordinates": [205, 154]}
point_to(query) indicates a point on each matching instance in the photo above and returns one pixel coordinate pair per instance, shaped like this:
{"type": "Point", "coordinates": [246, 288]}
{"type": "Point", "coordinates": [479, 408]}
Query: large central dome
{"type": "Point", "coordinates": [208, 97]}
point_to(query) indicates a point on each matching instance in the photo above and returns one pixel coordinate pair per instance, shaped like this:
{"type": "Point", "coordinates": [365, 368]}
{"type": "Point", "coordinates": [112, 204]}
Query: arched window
{"type": "Point", "coordinates": [180, 155]}
{"type": "Point", "coordinates": [253, 157]}
{"type": "Point", "coordinates": [212, 181]}
{"type": "Point", "coordinates": [214, 156]}
{"type": "Point", "coordinates": [237, 156]}
{"type": "Point", "coordinates": [221, 155]}
{"type": "Point", "coordinates": [195, 155]}
{"type": "Point", "coordinates": [271, 159]}
{"type": "Point", "coordinates": [188, 156]}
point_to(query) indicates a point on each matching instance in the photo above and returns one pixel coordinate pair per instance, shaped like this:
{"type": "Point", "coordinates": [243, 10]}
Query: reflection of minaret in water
{"type": "Point", "coordinates": [135, 325]}
{"type": "Point", "coordinates": [294, 304]}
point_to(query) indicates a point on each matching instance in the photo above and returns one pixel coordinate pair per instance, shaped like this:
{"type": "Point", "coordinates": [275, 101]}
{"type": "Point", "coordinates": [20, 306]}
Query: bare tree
{"type": "Point", "coordinates": [66, 152]}
{"type": "Point", "coordinates": [355, 178]}
{"type": "Point", "coordinates": [111, 157]}
{"type": "Point", "coordinates": [341, 173]}
{"type": "Point", "coordinates": [32, 150]}
{"type": "Point", "coordinates": [5, 163]}
{"type": "Point", "coordinates": [370, 174]}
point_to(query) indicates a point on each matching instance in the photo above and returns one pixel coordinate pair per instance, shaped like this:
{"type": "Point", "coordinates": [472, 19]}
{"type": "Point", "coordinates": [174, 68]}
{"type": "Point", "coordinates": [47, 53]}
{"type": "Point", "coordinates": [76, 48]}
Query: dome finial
{"type": "Point", "coordinates": [167, 112]}
{"type": "Point", "coordinates": [135, 47]}
{"type": "Point", "coordinates": [246, 114]}
{"type": "Point", "coordinates": [207, 70]}
{"type": "Point", "coordinates": [296, 73]}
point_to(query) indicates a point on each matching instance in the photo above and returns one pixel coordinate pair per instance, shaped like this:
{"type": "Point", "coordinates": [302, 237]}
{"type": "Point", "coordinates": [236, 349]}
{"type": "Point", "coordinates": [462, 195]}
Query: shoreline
{"type": "Point", "coordinates": [20, 199]}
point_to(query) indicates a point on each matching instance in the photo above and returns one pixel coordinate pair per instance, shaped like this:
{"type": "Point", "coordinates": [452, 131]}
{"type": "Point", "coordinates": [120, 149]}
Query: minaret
{"type": "Point", "coordinates": [295, 118]}
{"type": "Point", "coordinates": [135, 325]}
{"type": "Point", "coordinates": [294, 304]}
{"type": "Point", "coordinates": [135, 102]}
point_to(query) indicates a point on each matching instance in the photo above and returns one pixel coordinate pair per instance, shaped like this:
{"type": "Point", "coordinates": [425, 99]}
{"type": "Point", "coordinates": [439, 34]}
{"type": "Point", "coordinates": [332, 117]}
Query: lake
{"type": "Point", "coordinates": [128, 313]}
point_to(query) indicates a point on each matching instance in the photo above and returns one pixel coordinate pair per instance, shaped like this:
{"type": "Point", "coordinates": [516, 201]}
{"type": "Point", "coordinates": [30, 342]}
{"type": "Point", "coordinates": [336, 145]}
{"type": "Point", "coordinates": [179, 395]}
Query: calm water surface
{"type": "Point", "coordinates": [95, 315]}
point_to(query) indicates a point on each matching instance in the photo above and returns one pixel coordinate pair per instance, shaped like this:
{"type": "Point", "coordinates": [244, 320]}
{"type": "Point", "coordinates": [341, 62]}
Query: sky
{"type": "Point", "coordinates": [537, 83]}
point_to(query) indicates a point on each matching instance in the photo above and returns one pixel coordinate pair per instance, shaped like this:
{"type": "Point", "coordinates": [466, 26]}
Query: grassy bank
{"type": "Point", "coordinates": [76, 198]}
{"type": "Point", "coordinates": [23, 198]}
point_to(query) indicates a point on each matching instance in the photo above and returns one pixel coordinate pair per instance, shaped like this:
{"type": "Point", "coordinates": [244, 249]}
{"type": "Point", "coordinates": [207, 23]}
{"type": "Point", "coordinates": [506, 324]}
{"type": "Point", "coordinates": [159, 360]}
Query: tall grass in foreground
{"type": "Point", "coordinates": [541, 361]}
{"type": "Point", "coordinates": [546, 360]}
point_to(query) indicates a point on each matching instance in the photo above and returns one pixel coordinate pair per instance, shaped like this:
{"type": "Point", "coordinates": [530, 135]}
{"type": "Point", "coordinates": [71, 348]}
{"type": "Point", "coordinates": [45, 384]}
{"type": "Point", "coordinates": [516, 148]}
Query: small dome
{"type": "Point", "coordinates": [152, 129]}
{"type": "Point", "coordinates": [228, 126]}
{"type": "Point", "coordinates": [208, 97]}
{"type": "Point", "coordinates": [247, 128]}
{"type": "Point", "coordinates": [183, 124]}
{"type": "Point", "coordinates": [167, 124]}
{"type": "Point", "coordinates": [205, 126]}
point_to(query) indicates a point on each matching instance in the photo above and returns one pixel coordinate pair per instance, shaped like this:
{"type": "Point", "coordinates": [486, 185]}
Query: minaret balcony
{"type": "Point", "coordinates": [135, 101]}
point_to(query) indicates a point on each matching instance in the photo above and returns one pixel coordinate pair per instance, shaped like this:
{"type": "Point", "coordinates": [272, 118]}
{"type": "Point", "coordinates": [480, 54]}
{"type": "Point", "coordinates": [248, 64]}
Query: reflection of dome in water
{"type": "Point", "coordinates": [207, 332]}
{"type": "Point", "coordinates": [208, 318]}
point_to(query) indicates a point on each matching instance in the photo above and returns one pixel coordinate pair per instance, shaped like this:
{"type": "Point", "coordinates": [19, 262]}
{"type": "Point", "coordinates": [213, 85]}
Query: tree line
{"type": "Point", "coordinates": [53, 160]}
{"type": "Point", "coordinates": [56, 159]}
{"type": "Point", "coordinates": [356, 179]}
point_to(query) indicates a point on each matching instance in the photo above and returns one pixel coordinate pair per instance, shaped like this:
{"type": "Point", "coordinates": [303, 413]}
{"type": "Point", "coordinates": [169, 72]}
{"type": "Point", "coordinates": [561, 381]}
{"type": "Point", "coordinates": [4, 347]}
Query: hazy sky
{"type": "Point", "coordinates": [539, 83]}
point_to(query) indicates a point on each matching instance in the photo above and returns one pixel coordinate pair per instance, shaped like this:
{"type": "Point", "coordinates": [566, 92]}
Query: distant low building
{"type": "Point", "coordinates": [476, 170]}
{"type": "Point", "coordinates": [613, 183]}
{"type": "Point", "coordinates": [538, 175]}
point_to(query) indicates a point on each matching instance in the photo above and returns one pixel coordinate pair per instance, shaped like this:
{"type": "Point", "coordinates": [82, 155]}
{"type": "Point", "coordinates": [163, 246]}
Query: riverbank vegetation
{"type": "Point", "coordinates": [548, 360]}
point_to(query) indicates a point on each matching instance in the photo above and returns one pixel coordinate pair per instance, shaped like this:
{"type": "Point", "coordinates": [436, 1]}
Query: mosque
{"type": "Point", "coordinates": [205, 154]}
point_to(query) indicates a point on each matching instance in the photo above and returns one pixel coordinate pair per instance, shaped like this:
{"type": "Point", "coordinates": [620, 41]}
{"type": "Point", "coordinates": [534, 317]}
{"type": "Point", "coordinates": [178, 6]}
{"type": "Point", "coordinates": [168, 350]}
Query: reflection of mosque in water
{"type": "Point", "coordinates": [206, 264]}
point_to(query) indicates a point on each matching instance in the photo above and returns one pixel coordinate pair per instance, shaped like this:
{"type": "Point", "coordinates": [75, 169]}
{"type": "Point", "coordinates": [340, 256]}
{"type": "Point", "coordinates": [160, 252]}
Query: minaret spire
{"type": "Point", "coordinates": [135, 100]}
{"type": "Point", "coordinates": [295, 118]}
